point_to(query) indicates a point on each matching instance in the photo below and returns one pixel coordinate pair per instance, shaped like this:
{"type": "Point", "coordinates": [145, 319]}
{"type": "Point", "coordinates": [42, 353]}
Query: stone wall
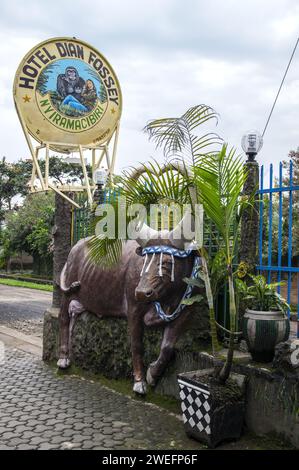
{"type": "Point", "coordinates": [272, 404]}
{"type": "Point", "coordinates": [102, 345]}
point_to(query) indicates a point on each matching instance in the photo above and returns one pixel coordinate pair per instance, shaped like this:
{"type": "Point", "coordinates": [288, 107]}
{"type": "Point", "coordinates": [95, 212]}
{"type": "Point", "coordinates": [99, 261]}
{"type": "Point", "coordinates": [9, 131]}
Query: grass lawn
{"type": "Point", "coordinates": [30, 285]}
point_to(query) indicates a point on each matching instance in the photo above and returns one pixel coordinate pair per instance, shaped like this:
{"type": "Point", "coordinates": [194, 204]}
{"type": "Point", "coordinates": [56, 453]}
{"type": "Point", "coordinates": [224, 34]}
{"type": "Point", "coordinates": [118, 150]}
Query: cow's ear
{"type": "Point", "coordinates": [139, 250]}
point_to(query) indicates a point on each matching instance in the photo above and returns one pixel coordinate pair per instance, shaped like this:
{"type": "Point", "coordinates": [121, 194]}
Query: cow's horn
{"type": "Point", "coordinates": [177, 235]}
{"type": "Point", "coordinates": [145, 233]}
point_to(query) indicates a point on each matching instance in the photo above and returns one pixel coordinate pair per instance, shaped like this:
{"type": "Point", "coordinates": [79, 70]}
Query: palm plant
{"type": "Point", "coordinates": [177, 138]}
{"type": "Point", "coordinates": [217, 180]}
{"type": "Point", "coordinates": [198, 175]}
{"type": "Point", "coordinates": [154, 183]}
{"type": "Point", "coordinates": [166, 184]}
{"type": "Point", "coordinates": [220, 179]}
{"type": "Point", "coordinates": [150, 184]}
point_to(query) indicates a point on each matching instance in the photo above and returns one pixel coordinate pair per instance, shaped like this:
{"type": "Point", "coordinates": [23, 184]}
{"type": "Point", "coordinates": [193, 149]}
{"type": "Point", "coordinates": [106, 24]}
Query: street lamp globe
{"type": "Point", "coordinates": [252, 143]}
{"type": "Point", "coordinates": [100, 177]}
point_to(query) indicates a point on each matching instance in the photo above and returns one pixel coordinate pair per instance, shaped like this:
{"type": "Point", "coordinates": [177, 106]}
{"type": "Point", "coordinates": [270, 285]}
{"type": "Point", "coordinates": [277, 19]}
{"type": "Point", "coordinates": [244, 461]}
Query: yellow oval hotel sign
{"type": "Point", "coordinates": [66, 92]}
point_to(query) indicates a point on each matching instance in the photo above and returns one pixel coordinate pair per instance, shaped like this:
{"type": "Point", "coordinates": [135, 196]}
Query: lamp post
{"type": "Point", "coordinates": [252, 143]}
{"type": "Point", "coordinates": [100, 178]}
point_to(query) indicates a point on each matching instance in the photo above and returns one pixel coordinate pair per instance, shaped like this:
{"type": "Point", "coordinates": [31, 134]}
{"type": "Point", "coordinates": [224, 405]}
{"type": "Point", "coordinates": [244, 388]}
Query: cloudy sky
{"type": "Point", "coordinates": [170, 55]}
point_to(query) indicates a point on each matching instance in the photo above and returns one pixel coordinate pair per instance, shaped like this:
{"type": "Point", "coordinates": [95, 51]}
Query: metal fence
{"type": "Point", "coordinates": [278, 256]}
{"type": "Point", "coordinates": [81, 218]}
{"type": "Point", "coordinates": [80, 227]}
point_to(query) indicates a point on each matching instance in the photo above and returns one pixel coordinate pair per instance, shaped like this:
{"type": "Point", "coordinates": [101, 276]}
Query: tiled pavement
{"type": "Point", "coordinates": [41, 410]}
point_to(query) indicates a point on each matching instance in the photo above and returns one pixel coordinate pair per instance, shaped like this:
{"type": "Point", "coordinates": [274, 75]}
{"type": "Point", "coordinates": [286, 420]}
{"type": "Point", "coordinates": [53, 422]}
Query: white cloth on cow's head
{"type": "Point", "coordinates": [174, 253]}
{"type": "Point", "coordinates": [145, 260]}
{"type": "Point", "coordinates": [149, 264]}
{"type": "Point", "coordinates": [160, 265]}
{"type": "Point", "coordinates": [172, 268]}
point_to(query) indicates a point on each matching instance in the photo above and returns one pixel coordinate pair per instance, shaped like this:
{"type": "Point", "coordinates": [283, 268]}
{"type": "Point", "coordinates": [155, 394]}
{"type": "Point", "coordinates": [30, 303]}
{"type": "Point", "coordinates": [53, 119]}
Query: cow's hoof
{"type": "Point", "coordinates": [140, 387]}
{"type": "Point", "coordinates": [63, 363]}
{"type": "Point", "coordinates": [149, 378]}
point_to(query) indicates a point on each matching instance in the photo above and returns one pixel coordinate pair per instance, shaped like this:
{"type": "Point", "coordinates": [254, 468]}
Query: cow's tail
{"type": "Point", "coordinates": [74, 287]}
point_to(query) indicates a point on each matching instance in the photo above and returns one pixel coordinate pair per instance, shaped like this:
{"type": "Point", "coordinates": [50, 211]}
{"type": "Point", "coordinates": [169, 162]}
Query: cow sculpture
{"type": "Point", "coordinates": [146, 287]}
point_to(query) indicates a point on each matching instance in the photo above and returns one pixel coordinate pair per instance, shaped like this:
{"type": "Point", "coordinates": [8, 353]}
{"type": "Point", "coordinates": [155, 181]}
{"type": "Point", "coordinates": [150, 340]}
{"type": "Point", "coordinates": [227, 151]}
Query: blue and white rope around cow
{"type": "Point", "coordinates": [174, 253]}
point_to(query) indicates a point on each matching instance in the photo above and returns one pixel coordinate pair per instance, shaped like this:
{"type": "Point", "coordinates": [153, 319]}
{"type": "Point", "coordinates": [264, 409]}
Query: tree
{"type": "Point", "coordinates": [27, 223]}
{"type": "Point", "coordinates": [59, 171]}
{"type": "Point", "coordinates": [44, 76]}
{"type": "Point", "coordinates": [28, 228]}
{"type": "Point", "coordinates": [15, 176]}
{"type": "Point", "coordinates": [13, 179]}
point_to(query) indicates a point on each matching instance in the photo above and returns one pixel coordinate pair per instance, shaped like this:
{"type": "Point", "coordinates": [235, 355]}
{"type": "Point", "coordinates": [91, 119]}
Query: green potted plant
{"type": "Point", "coordinates": [265, 322]}
{"type": "Point", "coordinates": [213, 400]}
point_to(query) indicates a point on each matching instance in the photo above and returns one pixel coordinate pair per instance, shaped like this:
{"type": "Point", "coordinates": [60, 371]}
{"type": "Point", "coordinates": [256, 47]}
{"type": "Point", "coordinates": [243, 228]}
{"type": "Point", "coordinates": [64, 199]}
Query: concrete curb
{"type": "Point", "coordinates": [18, 340]}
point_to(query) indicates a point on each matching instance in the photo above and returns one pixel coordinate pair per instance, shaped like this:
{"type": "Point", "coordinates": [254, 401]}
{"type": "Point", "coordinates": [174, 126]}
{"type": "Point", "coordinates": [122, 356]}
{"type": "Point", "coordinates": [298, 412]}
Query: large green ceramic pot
{"type": "Point", "coordinates": [262, 331]}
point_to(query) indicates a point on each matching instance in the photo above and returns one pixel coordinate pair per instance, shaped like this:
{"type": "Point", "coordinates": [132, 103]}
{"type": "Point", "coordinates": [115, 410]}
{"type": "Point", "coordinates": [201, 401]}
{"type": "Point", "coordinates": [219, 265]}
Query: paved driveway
{"type": "Point", "coordinates": [23, 308]}
{"type": "Point", "coordinates": [42, 410]}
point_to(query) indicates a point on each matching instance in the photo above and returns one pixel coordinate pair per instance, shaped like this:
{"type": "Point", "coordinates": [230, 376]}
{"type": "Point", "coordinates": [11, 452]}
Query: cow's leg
{"type": "Point", "coordinates": [74, 309]}
{"type": "Point", "coordinates": [135, 325]}
{"type": "Point", "coordinates": [170, 336]}
{"type": "Point", "coordinates": [64, 323]}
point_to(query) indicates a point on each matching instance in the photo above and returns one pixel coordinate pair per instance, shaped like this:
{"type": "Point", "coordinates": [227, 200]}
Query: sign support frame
{"type": "Point", "coordinates": [96, 161]}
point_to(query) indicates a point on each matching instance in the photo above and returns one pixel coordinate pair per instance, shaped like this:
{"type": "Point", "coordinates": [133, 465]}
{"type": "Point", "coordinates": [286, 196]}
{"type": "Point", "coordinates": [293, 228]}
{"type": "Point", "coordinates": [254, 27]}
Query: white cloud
{"type": "Point", "coordinates": [286, 27]}
{"type": "Point", "coordinates": [170, 55]}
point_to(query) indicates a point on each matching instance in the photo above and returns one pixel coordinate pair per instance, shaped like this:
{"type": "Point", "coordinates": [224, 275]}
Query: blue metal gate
{"type": "Point", "coordinates": [279, 231]}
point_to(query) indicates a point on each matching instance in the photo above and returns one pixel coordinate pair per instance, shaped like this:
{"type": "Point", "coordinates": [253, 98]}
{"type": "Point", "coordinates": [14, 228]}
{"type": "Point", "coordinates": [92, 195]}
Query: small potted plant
{"type": "Point", "coordinates": [265, 322]}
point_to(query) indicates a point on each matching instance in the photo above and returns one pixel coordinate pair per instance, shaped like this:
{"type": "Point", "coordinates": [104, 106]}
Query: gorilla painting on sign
{"type": "Point", "coordinates": [76, 90]}
{"type": "Point", "coordinates": [70, 87]}
{"type": "Point", "coordinates": [70, 83]}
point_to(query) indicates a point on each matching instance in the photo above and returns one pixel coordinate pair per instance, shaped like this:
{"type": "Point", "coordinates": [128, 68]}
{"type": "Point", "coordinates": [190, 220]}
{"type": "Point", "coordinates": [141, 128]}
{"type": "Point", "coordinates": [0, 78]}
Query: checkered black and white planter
{"type": "Point", "coordinates": [203, 418]}
{"type": "Point", "coordinates": [195, 405]}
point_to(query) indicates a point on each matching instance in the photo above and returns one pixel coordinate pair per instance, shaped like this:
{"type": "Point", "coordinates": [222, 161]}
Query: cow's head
{"type": "Point", "coordinates": [162, 274]}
